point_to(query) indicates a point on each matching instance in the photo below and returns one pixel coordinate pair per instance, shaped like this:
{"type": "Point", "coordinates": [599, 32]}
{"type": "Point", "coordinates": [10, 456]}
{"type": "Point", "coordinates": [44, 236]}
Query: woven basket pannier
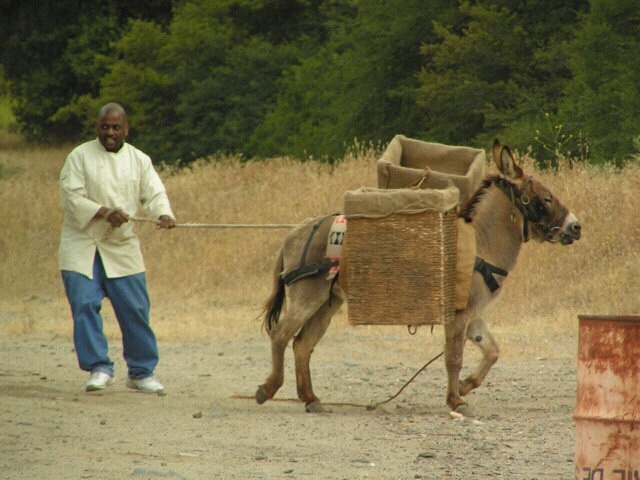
{"type": "Point", "coordinates": [400, 256]}
{"type": "Point", "coordinates": [407, 162]}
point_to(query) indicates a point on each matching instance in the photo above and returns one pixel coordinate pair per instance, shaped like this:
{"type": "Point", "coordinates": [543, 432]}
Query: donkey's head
{"type": "Point", "coordinates": [545, 218]}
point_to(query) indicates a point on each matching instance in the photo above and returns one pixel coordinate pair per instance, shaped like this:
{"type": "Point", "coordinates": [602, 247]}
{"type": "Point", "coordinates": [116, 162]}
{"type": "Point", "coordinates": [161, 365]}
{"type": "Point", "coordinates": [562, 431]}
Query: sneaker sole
{"type": "Point", "coordinates": [142, 390]}
{"type": "Point", "coordinates": [94, 388]}
{"type": "Point", "coordinates": [97, 388]}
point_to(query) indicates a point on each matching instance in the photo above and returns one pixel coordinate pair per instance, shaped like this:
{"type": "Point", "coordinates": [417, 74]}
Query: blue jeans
{"type": "Point", "coordinates": [130, 301]}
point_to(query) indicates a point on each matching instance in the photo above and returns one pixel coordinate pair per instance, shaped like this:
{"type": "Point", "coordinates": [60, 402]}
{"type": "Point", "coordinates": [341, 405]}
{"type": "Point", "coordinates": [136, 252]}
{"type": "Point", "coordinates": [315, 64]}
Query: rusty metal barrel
{"type": "Point", "coordinates": [607, 414]}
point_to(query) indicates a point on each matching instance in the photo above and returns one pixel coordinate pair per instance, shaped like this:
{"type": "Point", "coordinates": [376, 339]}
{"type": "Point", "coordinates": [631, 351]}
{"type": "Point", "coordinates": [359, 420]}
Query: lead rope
{"type": "Point", "coordinates": [219, 225]}
{"type": "Point", "coordinates": [371, 406]}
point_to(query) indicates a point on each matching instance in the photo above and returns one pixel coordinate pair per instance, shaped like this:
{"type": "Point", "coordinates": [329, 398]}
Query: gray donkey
{"type": "Point", "coordinates": [506, 211]}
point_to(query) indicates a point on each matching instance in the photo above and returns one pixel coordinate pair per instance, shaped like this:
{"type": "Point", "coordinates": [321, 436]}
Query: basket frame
{"type": "Point", "coordinates": [400, 269]}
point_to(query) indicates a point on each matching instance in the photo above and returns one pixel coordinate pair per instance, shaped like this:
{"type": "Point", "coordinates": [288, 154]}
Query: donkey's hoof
{"type": "Point", "coordinates": [261, 395]}
{"type": "Point", "coordinates": [464, 410]}
{"type": "Point", "coordinates": [315, 407]}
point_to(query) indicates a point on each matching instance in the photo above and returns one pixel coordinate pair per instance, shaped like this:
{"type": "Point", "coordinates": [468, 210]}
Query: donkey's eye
{"type": "Point", "coordinates": [548, 201]}
{"type": "Point", "coordinates": [541, 207]}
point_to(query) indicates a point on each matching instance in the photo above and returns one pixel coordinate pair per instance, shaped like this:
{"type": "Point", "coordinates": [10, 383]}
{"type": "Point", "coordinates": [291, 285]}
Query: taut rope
{"type": "Point", "coordinates": [220, 225]}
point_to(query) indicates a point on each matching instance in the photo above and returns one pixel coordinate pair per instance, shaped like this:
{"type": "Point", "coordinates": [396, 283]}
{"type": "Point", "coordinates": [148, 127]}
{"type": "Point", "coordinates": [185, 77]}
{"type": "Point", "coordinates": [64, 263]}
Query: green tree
{"type": "Point", "coordinates": [52, 55]}
{"type": "Point", "coordinates": [359, 85]}
{"type": "Point", "coordinates": [230, 79]}
{"type": "Point", "coordinates": [470, 74]}
{"type": "Point", "coordinates": [142, 81]}
{"type": "Point", "coordinates": [498, 74]}
{"type": "Point", "coordinates": [203, 85]}
{"type": "Point", "coordinates": [602, 100]}
{"type": "Point", "coordinates": [6, 118]}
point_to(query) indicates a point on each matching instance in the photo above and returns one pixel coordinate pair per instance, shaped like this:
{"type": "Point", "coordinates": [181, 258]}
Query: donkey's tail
{"type": "Point", "coordinates": [275, 302]}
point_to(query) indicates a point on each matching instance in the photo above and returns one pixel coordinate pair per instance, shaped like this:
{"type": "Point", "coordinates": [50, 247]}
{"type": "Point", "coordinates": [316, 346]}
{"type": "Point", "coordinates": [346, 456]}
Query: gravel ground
{"type": "Point", "coordinates": [205, 428]}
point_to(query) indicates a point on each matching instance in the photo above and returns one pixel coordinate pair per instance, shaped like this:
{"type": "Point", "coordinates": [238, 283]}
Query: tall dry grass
{"type": "Point", "coordinates": [206, 283]}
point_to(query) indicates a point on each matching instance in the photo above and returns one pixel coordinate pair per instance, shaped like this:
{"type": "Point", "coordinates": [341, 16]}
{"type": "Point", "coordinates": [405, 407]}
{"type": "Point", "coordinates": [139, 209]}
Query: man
{"type": "Point", "coordinates": [103, 182]}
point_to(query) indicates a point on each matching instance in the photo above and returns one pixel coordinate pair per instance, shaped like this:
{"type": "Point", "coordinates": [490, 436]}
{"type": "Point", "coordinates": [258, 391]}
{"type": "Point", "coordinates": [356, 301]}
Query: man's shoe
{"type": "Point", "coordinates": [147, 384]}
{"type": "Point", "coordinates": [99, 381]}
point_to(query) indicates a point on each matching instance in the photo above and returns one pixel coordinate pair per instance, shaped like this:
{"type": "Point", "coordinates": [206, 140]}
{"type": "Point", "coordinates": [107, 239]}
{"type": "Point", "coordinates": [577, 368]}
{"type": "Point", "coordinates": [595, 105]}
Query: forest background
{"type": "Point", "coordinates": [314, 78]}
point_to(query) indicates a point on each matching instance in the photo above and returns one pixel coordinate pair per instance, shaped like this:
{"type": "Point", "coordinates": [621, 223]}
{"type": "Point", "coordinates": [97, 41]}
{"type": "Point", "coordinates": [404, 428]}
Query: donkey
{"type": "Point", "coordinates": [505, 212]}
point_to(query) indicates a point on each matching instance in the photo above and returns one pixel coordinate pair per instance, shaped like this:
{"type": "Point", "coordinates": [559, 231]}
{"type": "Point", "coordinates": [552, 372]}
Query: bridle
{"type": "Point", "coordinates": [532, 208]}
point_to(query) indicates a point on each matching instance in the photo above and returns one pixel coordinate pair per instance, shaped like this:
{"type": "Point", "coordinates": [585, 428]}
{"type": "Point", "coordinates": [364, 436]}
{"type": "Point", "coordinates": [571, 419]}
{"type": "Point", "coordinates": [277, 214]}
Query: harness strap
{"type": "Point", "coordinates": [309, 270]}
{"type": "Point", "coordinates": [316, 225]}
{"type": "Point", "coordinates": [508, 190]}
{"type": "Point", "coordinates": [487, 271]}
{"type": "Point", "coordinates": [304, 270]}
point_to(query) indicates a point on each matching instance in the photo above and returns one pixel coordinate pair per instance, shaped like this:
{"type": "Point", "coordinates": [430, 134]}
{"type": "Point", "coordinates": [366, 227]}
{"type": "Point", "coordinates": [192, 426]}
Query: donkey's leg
{"type": "Point", "coordinates": [480, 335]}
{"type": "Point", "coordinates": [454, 348]}
{"type": "Point", "coordinates": [280, 334]}
{"type": "Point", "coordinates": [303, 346]}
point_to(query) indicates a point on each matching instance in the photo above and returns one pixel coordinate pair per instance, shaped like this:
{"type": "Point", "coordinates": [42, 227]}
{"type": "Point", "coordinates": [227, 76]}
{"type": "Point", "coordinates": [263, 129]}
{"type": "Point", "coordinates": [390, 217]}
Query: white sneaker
{"type": "Point", "coordinates": [99, 381]}
{"type": "Point", "coordinates": [147, 384]}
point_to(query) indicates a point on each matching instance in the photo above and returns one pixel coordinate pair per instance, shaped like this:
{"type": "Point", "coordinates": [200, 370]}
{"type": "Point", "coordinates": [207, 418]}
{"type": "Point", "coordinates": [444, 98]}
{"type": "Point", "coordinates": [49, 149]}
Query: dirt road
{"type": "Point", "coordinates": [51, 428]}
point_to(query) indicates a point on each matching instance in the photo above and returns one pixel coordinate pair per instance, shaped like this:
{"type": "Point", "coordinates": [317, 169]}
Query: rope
{"type": "Point", "coordinates": [371, 406]}
{"type": "Point", "coordinates": [220, 225]}
{"type": "Point", "coordinates": [418, 183]}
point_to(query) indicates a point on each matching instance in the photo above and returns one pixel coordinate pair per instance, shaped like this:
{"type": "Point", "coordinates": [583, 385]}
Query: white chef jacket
{"type": "Point", "coordinates": [93, 177]}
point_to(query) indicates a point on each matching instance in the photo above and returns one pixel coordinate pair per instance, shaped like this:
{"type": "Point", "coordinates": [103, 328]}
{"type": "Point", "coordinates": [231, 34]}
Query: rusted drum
{"type": "Point", "coordinates": [607, 414]}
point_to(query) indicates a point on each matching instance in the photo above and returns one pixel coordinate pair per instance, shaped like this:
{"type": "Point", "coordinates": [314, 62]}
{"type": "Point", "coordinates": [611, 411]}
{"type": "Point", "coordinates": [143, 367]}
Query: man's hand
{"type": "Point", "coordinates": [165, 221]}
{"type": "Point", "coordinates": [116, 218]}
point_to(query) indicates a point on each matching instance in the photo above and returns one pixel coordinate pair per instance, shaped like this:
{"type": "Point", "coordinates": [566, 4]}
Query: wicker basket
{"type": "Point", "coordinates": [400, 267]}
{"type": "Point", "coordinates": [407, 162]}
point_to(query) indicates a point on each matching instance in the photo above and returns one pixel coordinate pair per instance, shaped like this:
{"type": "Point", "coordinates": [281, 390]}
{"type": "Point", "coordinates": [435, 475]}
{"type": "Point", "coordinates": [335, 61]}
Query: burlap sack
{"type": "Point", "coordinates": [465, 260]}
{"type": "Point", "coordinates": [408, 162]}
{"type": "Point", "coordinates": [370, 202]}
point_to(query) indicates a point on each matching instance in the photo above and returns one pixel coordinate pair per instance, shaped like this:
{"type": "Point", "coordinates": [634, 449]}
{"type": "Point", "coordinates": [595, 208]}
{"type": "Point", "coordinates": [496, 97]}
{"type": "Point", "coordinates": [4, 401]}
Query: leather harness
{"type": "Point", "coordinates": [307, 270]}
{"type": "Point", "coordinates": [487, 270]}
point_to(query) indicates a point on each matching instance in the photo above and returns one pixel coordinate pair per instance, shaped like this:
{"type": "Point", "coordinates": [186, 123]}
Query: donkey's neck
{"type": "Point", "coordinates": [498, 237]}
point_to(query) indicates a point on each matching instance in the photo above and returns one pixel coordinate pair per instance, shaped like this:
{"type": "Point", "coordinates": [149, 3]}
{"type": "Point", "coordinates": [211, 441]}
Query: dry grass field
{"type": "Point", "coordinates": [211, 283]}
{"type": "Point", "coordinates": [207, 288]}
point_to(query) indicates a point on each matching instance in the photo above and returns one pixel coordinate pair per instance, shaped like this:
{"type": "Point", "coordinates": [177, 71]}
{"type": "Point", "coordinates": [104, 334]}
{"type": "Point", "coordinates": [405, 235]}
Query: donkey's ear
{"type": "Point", "coordinates": [503, 157]}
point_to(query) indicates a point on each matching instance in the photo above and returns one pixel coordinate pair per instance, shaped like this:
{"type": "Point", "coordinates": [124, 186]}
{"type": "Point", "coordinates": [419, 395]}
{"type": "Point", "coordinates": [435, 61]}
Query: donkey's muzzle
{"type": "Point", "coordinates": [571, 230]}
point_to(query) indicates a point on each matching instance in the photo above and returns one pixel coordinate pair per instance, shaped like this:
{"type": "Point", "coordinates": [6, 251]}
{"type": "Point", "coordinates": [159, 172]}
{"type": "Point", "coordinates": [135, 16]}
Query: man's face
{"type": "Point", "coordinates": [112, 128]}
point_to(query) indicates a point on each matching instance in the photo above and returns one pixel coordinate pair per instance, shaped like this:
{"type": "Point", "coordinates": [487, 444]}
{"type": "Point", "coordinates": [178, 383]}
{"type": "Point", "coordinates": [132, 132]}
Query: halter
{"type": "Point", "coordinates": [532, 209]}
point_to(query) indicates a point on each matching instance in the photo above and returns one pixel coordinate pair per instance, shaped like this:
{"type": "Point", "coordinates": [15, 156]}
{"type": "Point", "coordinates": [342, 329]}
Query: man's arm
{"type": "Point", "coordinates": [153, 196]}
{"type": "Point", "coordinates": [73, 194]}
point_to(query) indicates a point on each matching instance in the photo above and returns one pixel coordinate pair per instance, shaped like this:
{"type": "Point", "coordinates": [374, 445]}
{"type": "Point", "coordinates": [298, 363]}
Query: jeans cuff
{"type": "Point", "coordinates": [104, 369]}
